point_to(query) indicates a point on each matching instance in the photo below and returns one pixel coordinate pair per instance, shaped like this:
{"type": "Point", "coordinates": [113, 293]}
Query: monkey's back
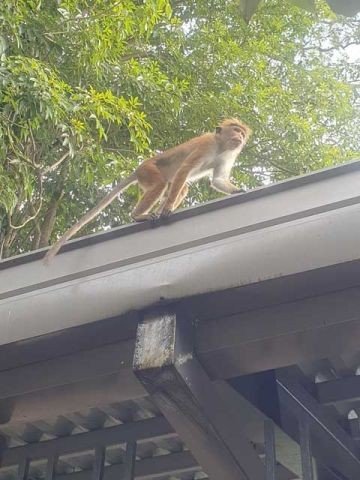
{"type": "Point", "coordinates": [170, 160]}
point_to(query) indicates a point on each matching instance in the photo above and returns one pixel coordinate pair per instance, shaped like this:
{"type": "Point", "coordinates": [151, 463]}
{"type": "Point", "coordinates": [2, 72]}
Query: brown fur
{"type": "Point", "coordinates": [164, 177]}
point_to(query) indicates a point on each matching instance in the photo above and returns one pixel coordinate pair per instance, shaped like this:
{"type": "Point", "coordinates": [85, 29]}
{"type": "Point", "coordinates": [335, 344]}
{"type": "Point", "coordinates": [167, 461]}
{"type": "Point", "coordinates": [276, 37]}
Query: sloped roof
{"type": "Point", "coordinates": [295, 226]}
{"type": "Point", "coordinates": [272, 278]}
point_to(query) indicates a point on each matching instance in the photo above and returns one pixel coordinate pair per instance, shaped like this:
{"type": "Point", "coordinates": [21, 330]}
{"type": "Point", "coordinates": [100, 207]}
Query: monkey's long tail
{"type": "Point", "coordinates": [122, 185]}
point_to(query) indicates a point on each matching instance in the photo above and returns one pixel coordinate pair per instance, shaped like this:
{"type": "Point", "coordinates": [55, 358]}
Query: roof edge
{"type": "Point", "coordinates": [212, 205]}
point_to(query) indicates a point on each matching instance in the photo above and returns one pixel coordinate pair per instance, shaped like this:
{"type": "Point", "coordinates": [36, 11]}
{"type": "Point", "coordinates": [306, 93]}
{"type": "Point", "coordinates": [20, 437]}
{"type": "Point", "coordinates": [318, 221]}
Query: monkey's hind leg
{"type": "Point", "coordinates": [146, 203]}
{"type": "Point", "coordinates": [179, 199]}
{"type": "Point", "coordinates": [163, 200]}
{"type": "Point", "coordinates": [181, 196]}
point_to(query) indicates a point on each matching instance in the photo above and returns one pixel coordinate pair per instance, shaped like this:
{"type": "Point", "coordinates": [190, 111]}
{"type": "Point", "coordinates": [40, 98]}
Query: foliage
{"type": "Point", "coordinates": [89, 88]}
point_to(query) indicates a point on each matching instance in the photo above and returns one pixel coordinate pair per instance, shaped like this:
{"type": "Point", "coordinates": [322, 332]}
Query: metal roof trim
{"type": "Point", "coordinates": [189, 212]}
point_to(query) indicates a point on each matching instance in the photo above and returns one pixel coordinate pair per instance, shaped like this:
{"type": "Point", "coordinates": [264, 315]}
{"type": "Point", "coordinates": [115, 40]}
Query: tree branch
{"type": "Point", "coordinates": [50, 215]}
{"type": "Point", "coordinates": [330, 49]}
{"type": "Point", "coordinates": [54, 166]}
{"type": "Point", "coordinates": [32, 217]}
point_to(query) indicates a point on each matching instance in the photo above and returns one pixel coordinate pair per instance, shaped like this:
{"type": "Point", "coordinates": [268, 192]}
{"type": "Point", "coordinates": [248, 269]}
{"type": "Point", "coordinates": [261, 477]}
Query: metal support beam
{"type": "Point", "coordinates": [130, 457]}
{"type": "Point", "coordinates": [50, 467]}
{"type": "Point", "coordinates": [305, 448]}
{"type": "Point", "coordinates": [331, 444]}
{"type": "Point", "coordinates": [252, 427]}
{"type": "Point", "coordinates": [288, 332]}
{"type": "Point", "coordinates": [23, 469]}
{"type": "Point", "coordinates": [68, 398]}
{"type": "Point", "coordinates": [136, 431]}
{"type": "Point", "coordinates": [284, 399]}
{"type": "Point", "coordinates": [64, 370]}
{"type": "Point", "coordinates": [226, 347]}
{"type": "Point", "coordinates": [354, 428]}
{"type": "Point", "coordinates": [164, 361]}
{"type": "Point", "coordinates": [270, 454]}
{"type": "Point", "coordinates": [345, 389]}
{"type": "Point", "coordinates": [151, 468]}
{"type": "Point", "coordinates": [99, 463]}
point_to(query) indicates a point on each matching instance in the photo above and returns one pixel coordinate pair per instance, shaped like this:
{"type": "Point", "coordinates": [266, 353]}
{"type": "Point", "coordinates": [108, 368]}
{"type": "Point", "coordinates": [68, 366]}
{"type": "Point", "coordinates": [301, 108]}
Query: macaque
{"type": "Point", "coordinates": [164, 178]}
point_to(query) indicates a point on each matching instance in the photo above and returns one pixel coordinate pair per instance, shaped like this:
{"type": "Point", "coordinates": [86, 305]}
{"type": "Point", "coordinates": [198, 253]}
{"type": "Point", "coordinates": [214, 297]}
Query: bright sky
{"type": "Point", "coordinates": [354, 53]}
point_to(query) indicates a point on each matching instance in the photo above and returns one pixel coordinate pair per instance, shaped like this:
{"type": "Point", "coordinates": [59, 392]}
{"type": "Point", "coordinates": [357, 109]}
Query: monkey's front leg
{"type": "Point", "coordinates": [224, 185]}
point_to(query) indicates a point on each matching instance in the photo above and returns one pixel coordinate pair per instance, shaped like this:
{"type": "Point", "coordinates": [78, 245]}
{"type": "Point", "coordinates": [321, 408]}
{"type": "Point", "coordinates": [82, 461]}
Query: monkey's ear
{"type": "Point", "coordinates": [218, 129]}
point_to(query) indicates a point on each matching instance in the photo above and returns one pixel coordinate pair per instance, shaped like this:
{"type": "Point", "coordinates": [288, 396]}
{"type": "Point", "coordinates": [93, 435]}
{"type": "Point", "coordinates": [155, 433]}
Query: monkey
{"type": "Point", "coordinates": [164, 177]}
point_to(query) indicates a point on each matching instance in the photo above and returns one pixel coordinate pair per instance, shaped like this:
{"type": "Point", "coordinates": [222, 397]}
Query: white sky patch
{"type": "Point", "coordinates": [353, 52]}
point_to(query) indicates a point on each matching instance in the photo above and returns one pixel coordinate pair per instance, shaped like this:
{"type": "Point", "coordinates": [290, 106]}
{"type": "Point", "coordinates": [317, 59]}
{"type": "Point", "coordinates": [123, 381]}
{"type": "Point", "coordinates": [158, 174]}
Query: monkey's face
{"type": "Point", "coordinates": [232, 136]}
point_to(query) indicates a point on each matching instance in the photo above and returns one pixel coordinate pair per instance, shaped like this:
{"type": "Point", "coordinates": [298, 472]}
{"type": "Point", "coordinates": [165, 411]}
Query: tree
{"type": "Point", "coordinates": [90, 88]}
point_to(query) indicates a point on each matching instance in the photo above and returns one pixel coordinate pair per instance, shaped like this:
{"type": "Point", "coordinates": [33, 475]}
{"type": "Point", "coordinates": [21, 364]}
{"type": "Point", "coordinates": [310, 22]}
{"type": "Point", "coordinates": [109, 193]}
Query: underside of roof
{"type": "Point", "coordinates": [234, 324]}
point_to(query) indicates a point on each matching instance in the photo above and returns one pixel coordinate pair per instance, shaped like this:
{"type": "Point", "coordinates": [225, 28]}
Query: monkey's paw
{"type": "Point", "coordinates": [165, 213]}
{"type": "Point", "coordinates": [165, 216]}
{"type": "Point", "coordinates": [154, 219]}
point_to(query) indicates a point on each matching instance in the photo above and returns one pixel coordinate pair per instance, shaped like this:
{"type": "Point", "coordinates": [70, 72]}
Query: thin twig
{"type": "Point", "coordinates": [34, 148]}
{"type": "Point", "coordinates": [18, 227]}
{"type": "Point", "coordinates": [54, 166]}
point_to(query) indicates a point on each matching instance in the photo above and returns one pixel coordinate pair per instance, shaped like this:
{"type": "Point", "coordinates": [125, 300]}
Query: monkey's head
{"type": "Point", "coordinates": [233, 133]}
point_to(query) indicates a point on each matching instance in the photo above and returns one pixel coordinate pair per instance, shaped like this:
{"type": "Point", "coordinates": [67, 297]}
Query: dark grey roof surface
{"type": "Point", "coordinates": [272, 278]}
{"type": "Point", "coordinates": [284, 229]}
{"type": "Point", "coordinates": [260, 192]}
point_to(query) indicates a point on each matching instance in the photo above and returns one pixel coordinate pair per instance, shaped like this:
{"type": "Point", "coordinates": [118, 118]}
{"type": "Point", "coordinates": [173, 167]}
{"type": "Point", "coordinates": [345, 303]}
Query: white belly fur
{"type": "Point", "coordinates": [224, 162]}
{"type": "Point", "coordinates": [197, 174]}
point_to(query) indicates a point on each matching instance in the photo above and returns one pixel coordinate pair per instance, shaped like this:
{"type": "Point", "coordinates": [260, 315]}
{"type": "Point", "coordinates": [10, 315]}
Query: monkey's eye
{"type": "Point", "coordinates": [237, 129]}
